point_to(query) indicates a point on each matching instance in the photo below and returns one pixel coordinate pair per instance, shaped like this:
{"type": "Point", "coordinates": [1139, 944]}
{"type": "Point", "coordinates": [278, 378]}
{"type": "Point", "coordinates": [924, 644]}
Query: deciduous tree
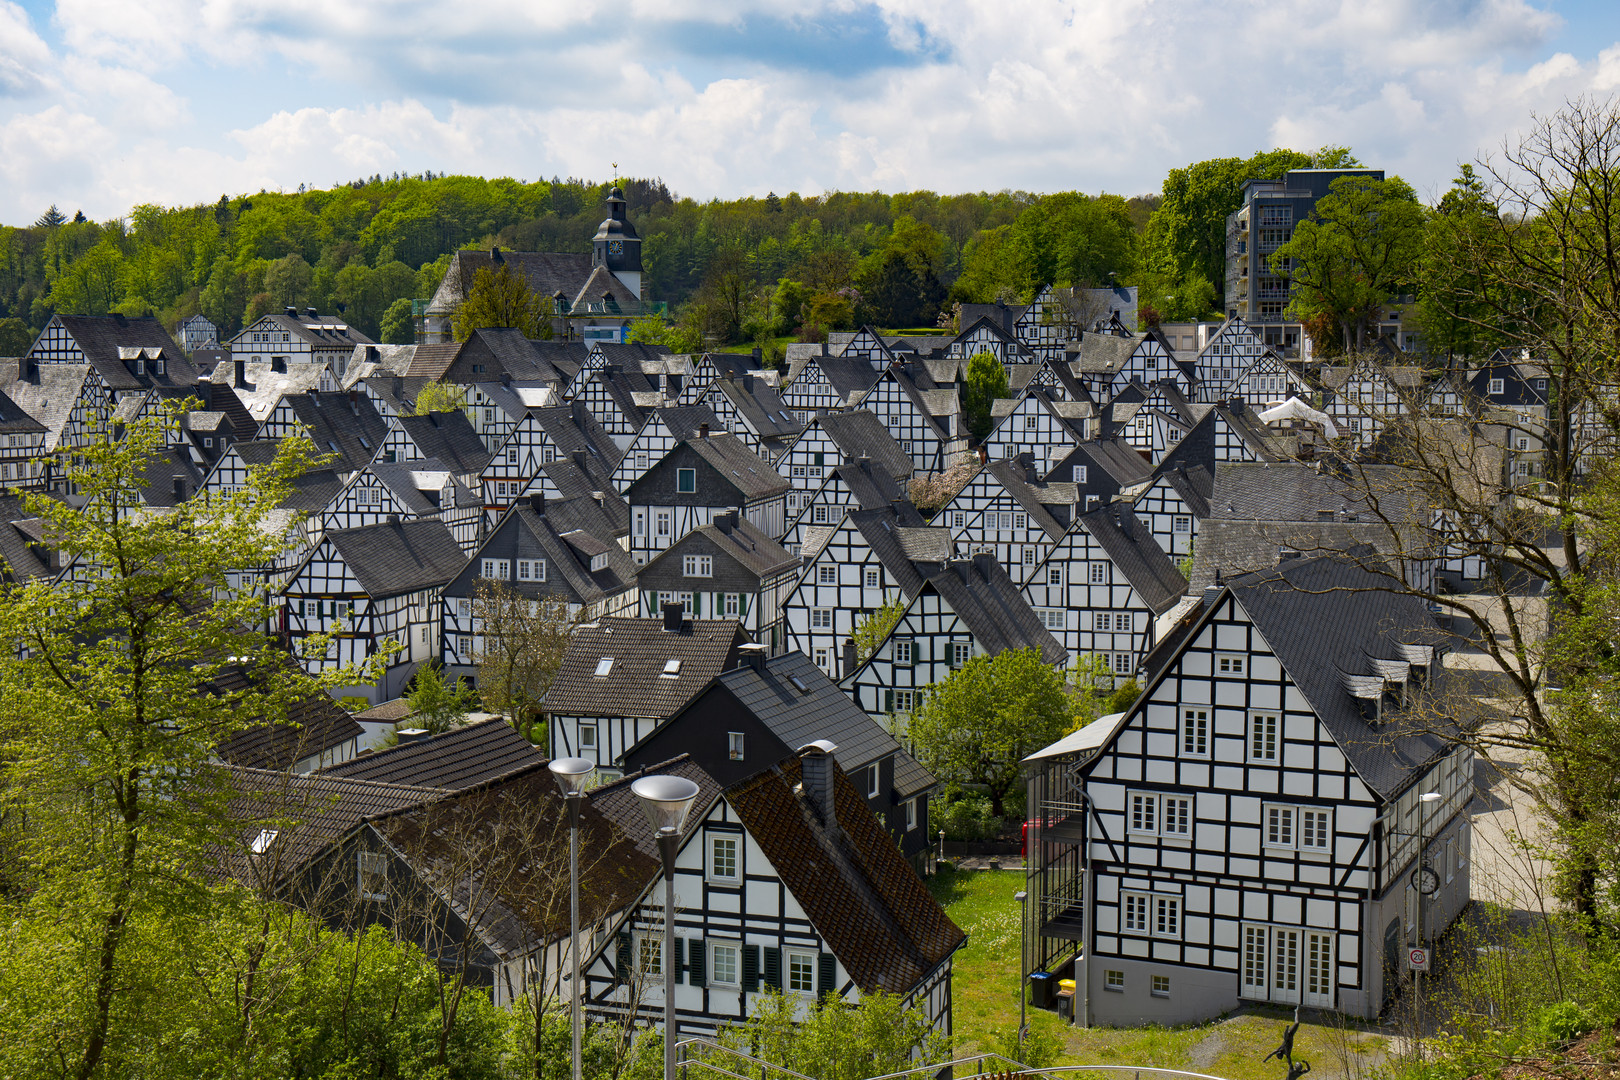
{"type": "Point", "coordinates": [985, 382]}
{"type": "Point", "coordinates": [521, 650]}
{"type": "Point", "coordinates": [502, 298]}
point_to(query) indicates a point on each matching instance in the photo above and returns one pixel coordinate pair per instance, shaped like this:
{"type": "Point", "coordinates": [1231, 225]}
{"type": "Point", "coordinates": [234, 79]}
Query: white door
{"type": "Point", "coordinates": [1318, 970]}
{"type": "Point", "coordinates": [1285, 966]}
{"type": "Point", "coordinates": [1256, 961]}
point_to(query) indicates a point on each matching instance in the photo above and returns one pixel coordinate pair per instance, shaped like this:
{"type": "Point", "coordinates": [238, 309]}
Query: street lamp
{"type": "Point", "coordinates": [667, 800]}
{"type": "Point", "coordinates": [1023, 976]}
{"type": "Point", "coordinates": [1427, 799]}
{"type": "Point", "coordinates": [571, 774]}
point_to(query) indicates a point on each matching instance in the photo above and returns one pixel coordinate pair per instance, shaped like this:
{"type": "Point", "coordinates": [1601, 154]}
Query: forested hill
{"type": "Point", "coordinates": [367, 248]}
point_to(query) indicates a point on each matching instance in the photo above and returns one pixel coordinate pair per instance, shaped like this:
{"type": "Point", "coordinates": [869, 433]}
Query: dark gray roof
{"type": "Point", "coordinates": [23, 549]}
{"type": "Point", "coordinates": [1290, 491]}
{"type": "Point", "coordinates": [547, 274]}
{"type": "Point", "coordinates": [739, 539]}
{"type": "Point", "coordinates": [100, 337]}
{"type": "Point", "coordinates": [310, 493]}
{"type": "Point", "coordinates": [169, 478]}
{"type": "Point", "coordinates": [845, 374]}
{"type": "Point", "coordinates": [570, 531]}
{"type": "Point", "coordinates": [1034, 495]}
{"type": "Point", "coordinates": [1195, 485]}
{"type": "Point", "coordinates": [684, 421]}
{"type": "Point", "coordinates": [14, 420]}
{"type": "Point", "coordinates": [397, 557]}
{"type": "Point", "coordinates": [352, 428]}
{"type": "Point", "coordinates": [993, 608]}
{"type": "Point", "coordinates": [1115, 457]}
{"type": "Point", "coordinates": [859, 433]}
{"type": "Point", "coordinates": [1327, 618]}
{"type": "Point", "coordinates": [730, 456]}
{"type": "Point", "coordinates": [820, 711]}
{"type": "Point", "coordinates": [872, 486]}
{"type": "Point", "coordinates": [449, 437]}
{"type": "Point", "coordinates": [572, 428]}
{"type": "Point", "coordinates": [310, 726]}
{"type": "Point", "coordinates": [885, 529]}
{"type": "Point", "coordinates": [1133, 551]}
{"type": "Point", "coordinates": [580, 480]}
{"type": "Point", "coordinates": [635, 684]}
{"type": "Point", "coordinates": [400, 477]}
{"type": "Point", "coordinates": [1102, 354]}
{"type": "Point", "coordinates": [622, 806]}
{"type": "Point", "coordinates": [1228, 548]}
{"type": "Point", "coordinates": [759, 406]}
{"type": "Point", "coordinates": [457, 759]}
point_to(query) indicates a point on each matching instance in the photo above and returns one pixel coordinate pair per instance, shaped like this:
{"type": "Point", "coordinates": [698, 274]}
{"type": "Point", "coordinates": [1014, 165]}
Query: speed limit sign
{"type": "Point", "coordinates": [1418, 959]}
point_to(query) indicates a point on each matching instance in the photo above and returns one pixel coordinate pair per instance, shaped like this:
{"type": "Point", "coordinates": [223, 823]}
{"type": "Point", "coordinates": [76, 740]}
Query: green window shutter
{"type": "Point", "coordinates": [821, 458]}
{"type": "Point", "coordinates": [697, 962]}
{"type": "Point", "coordinates": [676, 959]}
{"type": "Point", "coordinates": [773, 967]}
{"type": "Point", "coordinates": [888, 705]}
{"type": "Point", "coordinates": [750, 958]}
{"type": "Point", "coordinates": [622, 967]}
{"type": "Point", "coordinates": [826, 974]}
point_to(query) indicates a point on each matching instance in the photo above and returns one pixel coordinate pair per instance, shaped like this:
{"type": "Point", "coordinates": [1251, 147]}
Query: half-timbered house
{"type": "Point", "coordinates": [423, 488]}
{"type": "Point", "coordinates": [541, 437]}
{"type": "Point", "coordinates": [1105, 364]}
{"type": "Point", "coordinates": [558, 550]}
{"type": "Point", "coordinates": [930, 431]}
{"type": "Point", "coordinates": [1250, 825]}
{"type": "Point", "coordinates": [748, 407]}
{"type": "Point", "coordinates": [621, 678]}
{"type": "Point", "coordinates": [834, 439]}
{"type": "Point", "coordinates": [1100, 469]}
{"type": "Point", "coordinates": [861, 484]}
{"type": "Point", "coordinates": [787, 883]}
{"type": "Point", "coordinates": [1042, 425]}
{"type": "Point", "coordinates": [697, 481]}
{"type": "Point", "coordinates": [127, 354]}
{"type": "Point", "coordinates": [752, 716]}
{"type": "Point", "coordinates": [294, 338]}
{"type": "Point", "coordinates": [495, 408]}
{"type": "Point", "coordinates": [1006, 510]}
{"type": "Point", "coordinates": [822, 382]}
{"type": "Point", "coordinates": [1173, 503]}
{"type": "Point", "coordinates": [370, 586]}
{"type": "Point", "coordinates": [1362, 396]}
{"type": "Point", "coordinates": [987, 334]}
{"type": "Point", "coordinates": [448, 437]}
{"type": "Point", "coordinates": [969, 608]}
{"type": "Point", "coordinates": [725, 569]}
{"type": "Point", "coordinates": [346, 425]}
{"type": "Point", "coordinates": [664, 429]}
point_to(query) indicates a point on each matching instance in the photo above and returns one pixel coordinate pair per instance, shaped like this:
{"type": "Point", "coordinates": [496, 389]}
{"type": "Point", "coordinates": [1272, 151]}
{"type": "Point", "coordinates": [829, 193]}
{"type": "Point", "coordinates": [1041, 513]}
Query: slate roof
{"type": "Point", "coordinates": [430, 361]}
{"type": "Point", "coordinates": [1035, 495]}
{"type": "Point", "coordinates": [1326, 618]}
{"type": "Point", "coordinates": [635, 685]}
{"type": "Point", "coordinates": [1291, 491]}
{"type": "Point", "coordinates": [49, 397]}
{"type": "Point", "coordinates": [404, 480]}
{"type": "Point", "coordinates": [730, 456]}
{"type": "Point", "coordinates": [859, 433]}
{"type": "Point", "coordinates": [310, 493]}
{"type": "Point", "coordinates": [617, 803]}
{"type": "Point", "coordinates": [22, 542]}
{"type": "Point", "coordinates": [849, 376]}
{"type": "Point", "coordinates": [1102, 354]}
{"type": "Point", "coordinates": [572, 428]}
{"type": "Point", "coordinates": [993, 608]}
{"type": "Point", "coordinates": [741, 540]}
{"type": "Point", "coordinates": [547, 274]}
{"type": "Point", "coordinates": [15, 420]}
{"type": "Point", "coordinates": [99, 338]}
{"type": "Point", "coordinates": [1115, 457]}
{"type": "Point", "coordinates": [323, 332]}
{"type": "Point", "coordinates": [851, 880]}
{"type": "Point", "coordinates": [450, 437]}
{"type": "Point", "coordinates": [1335, 377]}
{"type": "Point", "coordinates": [459, 758]}
{"type": "Point", "coordinates": [759, 406]}
{"type": "Point", "coordinates": [262, 387]}
{"type": "Point", "coordinates": [352, 428]}
{"type": "Point", "coordinates": [523, 359]}
{"type": "Point", "coordinates": [569, 531]}
{"type": "Point", "coordinates": [397, 557]}
{"type": "Point", "coordinates": [685, 421]}
{"type": "Point", "coordinates": [1133, 551]}
{"type": "Point", "coordinates": [580, 480]}
{"type": "Point", "coordinates": [886, 532]}
{"type": "Point", "coordinates": [1195, 485]}
{"type": "Point", "coordinates": [312, 725]}
{"type": "Point", "coordinates": [872, 486]}
{"type": "Point", "coordinates": [160, 474]}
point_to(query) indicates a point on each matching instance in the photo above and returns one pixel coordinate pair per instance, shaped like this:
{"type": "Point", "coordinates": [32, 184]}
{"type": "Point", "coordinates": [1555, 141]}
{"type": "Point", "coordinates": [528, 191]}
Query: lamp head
{"type": "Point", "coordinates": [1429, 796]}
{"type": "Point", "coordinates": [1019, 895]}
{"type": "Point", "coordinates": [571, 773]}
{"type": "Point", "coordinates": [667, 800]}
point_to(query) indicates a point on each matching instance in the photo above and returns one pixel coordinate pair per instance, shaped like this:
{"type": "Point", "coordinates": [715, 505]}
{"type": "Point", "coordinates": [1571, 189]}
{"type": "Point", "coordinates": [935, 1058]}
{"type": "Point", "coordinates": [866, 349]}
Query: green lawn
{"type": "Point", "coordinates": [985, 999]}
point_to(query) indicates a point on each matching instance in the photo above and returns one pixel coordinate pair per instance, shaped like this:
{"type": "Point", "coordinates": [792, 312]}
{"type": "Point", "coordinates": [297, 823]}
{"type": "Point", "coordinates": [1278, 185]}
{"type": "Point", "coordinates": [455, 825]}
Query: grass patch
{"type": "Point", "coordinates": [985, 1001]}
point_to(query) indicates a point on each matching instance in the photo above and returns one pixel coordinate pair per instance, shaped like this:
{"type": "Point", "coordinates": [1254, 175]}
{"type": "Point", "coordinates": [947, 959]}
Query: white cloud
{"type": "Point", "coordinates": [946, 94]}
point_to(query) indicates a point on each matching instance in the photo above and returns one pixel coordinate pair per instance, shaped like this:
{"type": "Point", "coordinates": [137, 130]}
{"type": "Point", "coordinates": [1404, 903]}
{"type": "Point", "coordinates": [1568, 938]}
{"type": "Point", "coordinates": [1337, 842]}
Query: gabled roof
{"type": "Point", "coordinates": [262, 387]}
{"type": "Point", "coordinates": [634, 683]}
{"type": "Point", "coordinates": [572, 428]}
{"type": "Point", "coordinates": [873, 911]}
{"type": "Point", "coordinates": [993, 608]}
{"type": "Point", "coordinates": [859, 433]}
{"type": "Point", "coordinates": [324, 332]}
{"type": "Point", "coordinates": [571, 532]}
{"type": "Point", "coordinates": [1102, 354]}
{"type": "Point", "coordinates": [49, 397]}
{"type": "Point", "coordinates": [24, 552]}
{"type": "Point", "coordinates": [800, 704]}
{"type": "Point", "coordinates": [758, 404]}
{"type": "Point", "coordinates": [431, 360]}
{"type": "Point", "coordinates": [397, 557]}
{"type": "Point", "coordinates": [849, 376]}
{"type": "Point", "coordinates": [100, 337]}
{"type": "Point", "coordinates": [449, 437]}
{"type": "Point", "coordinates": [685, 421]}
{"type": "Point", "coordinates": [751, 474]}
{"type": "Point", "coordinates": [349, 427]}
{"type": "Point", "coordinates": [168, 478]}
{"type": "Point", "coordinates": [310, 493]}
{"type": "Point", "coordinates": [585, 483]}
{"type": "Point", "coordinates": [872, 486]}
{"type": "Point", "coordinates": [897, 536]}
{"type": "Point", "coordinates": [738, 539]}
{"type": "Point", "coordinates": [1133, 551]}
{"type": "Point", "coordinates": [1115, 456]}
{"type": "Point", "coordinates": [1194, 484]}
{"type": "Point", "coordinates": [1034, 495]}
{"type": "Point", "coordinates": [459, 758]}
{"type": "Point", "coordinates": [312, 725]}
{"type": "Point", "coordinates": [417, 484]}
{"type": "Point", "coordinates": [547, 273]}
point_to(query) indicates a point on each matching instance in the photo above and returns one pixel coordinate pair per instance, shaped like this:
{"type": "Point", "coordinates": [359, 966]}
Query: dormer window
{"type": "Point", "coordinates": [603, 666]}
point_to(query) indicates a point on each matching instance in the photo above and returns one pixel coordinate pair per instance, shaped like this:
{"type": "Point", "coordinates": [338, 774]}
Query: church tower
{"type": "Point", "coordinates": [616, 245]}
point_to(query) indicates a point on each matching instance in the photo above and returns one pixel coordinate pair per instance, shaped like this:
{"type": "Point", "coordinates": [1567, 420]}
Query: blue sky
{"type": "Point", "coordinates": [105, 104]}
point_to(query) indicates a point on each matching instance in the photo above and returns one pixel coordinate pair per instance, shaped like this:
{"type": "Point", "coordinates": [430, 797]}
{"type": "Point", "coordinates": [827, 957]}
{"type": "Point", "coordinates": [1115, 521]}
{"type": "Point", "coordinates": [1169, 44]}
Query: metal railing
{"type": "Point", "coordinates": [979, 1064]}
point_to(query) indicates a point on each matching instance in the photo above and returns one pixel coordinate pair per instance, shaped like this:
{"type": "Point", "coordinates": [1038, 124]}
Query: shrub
{"type": "Point", "coordinates": [968, 818]}
{"type": "Point", "coordinates": [1563, 1023]}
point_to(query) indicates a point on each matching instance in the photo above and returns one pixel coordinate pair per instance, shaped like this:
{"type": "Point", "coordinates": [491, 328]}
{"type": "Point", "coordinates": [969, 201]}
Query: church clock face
{"type": "Point", "coordinates": [615, 247]}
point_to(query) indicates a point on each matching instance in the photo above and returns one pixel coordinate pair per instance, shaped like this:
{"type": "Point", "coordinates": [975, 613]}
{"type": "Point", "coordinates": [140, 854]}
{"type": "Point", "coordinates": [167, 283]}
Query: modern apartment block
{"type": "Point", "coordinates": [1265, 222]}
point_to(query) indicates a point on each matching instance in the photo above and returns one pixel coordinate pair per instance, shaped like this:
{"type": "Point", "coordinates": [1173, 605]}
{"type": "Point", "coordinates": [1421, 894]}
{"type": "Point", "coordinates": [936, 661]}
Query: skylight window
{"type": "Point", "coordinates": [262, 842]}
{"type": "Point", "coordinates": [672, 668]}
{"type": "Point", "coordinates": [603, 666]}
{"type": "Point", "coordinates": [333, 444]}
{"type": "Point", "coordinates": [798, 684]}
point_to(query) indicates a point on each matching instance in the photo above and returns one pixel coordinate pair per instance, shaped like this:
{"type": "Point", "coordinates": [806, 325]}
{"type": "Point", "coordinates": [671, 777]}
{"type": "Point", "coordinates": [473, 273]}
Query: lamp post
{"type": "Point", "coordinates": [1425, 800]}
{"type": "Point", "coordinates": [667, 800]}
{"type": "Point", "coordinates": [1023, 975]}
{"type": "Point", "coordinates": [571, 775]}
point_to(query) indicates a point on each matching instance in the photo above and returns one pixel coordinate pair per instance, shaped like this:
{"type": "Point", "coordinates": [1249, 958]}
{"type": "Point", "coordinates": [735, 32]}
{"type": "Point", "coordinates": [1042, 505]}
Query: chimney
{"type": "Point", "coordinates": [578, 457]}
{"type": "Point", "coordinates": [292, 312]}
{"type": "Point", "coordinates": [758, 356]}
{"type": "Point", "coordinates": [278, 363]}
{"type": "Point", "coordinates": [506, 379]}
{"type": "Point", "coordinates": [599, 497]}
{"type": "Point", "coordinates": [703, 430]}
{"type": "Point", "coordinates": [674, 615]}
{"type": "Point", "coordinates": [751, 655]}
{"type": "Point", "coordinates": [393, 519]}
{"type": "Point", "coordinates": [818, 769]}
{"type": "Point", "coordinates": [850, 658]}
{"type": "Point", "coordinates": [1210, 594]}
{"type": "Point", "coordinates": [726, 522]}
{"type": "Point", "coordinates": [179, 489]}
{"type": "Point", "coordinates": [537, 501]}
{"type": "Point", "coordinates": [311, 313]}
{"type": "Point", "coordinates": [407, 736]}
{"type": "Point", "coordinates": [239, 378]}
{"type": "Point", "coordinates": [354, 402]}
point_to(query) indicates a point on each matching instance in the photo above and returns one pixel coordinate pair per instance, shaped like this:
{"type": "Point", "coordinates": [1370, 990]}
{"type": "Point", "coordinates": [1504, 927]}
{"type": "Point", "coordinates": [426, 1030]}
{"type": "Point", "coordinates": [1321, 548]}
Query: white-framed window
{"type": "Point", "coordinates": [820, 513]}
{"type": "Point", "coordinates": [686, 603]}
{"type": "Point", "coordinates": [464, 647]}
{"type": "Point", "coordinates": [1114, 980]}
{"type": "Point", "coordinates": [734, 745]}
{"type": "Point", "coordinates": [871, 577]}
{"type": "Point", "coordinates": [826, 575]}
{"type": "Point", "coordinates": [641, 523]}
{"type": "Point", "coordinates": [1153, 914]}
{"type": "Point", "coordinates": [911, 814]}
{"type": "Point", "coordinates": [587, 737]}
{"type": "Point", "coordinates": [1054, 575]}
{"type": "Point", "coordinates": [663, 520]}
{"type": "Point", "coordinates": [822, 658]}
{"type": "Point", "coordinates": [961, 652]}
{"type": "Point", "coordinates": [725, 858]}
{"type": "Point", "coordinates": [904, 700]}
{"type": "Point", "coordinates": [697, 566]}
{"type": "Point", "coordinates": [1020, 521]}
{"type": "Point", "coordinates": [1263, 736]}
{"type": "Point", "coordinates": [1054, 618]}
{"type": "Point", "coordinates": [1194, 732]}
{"type": "Point", "coordinates": [498, 569]}
{"type": "Point", "coordinates": [1079, 474]}
{"type": "Point", "coordinates": [1027, 555]}
{"type": "Point", "coordinates": [1134, 913]}
{"type": "Point", "coordinates": [801, 972]}
{"type": "Point", "coordinates": [958, 519]}
{"type": "Point", "coordinates": [1496, 386]}
{"type": "Point", "coordinates": [1121, 663]}
{"type": "Point", "coordinates": [872, 780]}
{"type": "Point", "coordinates": [531, 569]}
{"type": "Point", "coordinates": [1166, 916]}
{"type": "Point", "coordinates": [1030, 422]}
{"type": "Point", "coordinates": [1160, 986]}
{"type": "Point", "coordinates": [723, 965]}
{"type": "Point", "coordinates": [641, 460]}
{"type": "Point", "coordinates": [686, 481]}
{"type": "Point", "coordinates": [1464, 838]}
{"type": "Point", "coordinates": [1278, 824]}
{"type": "Point", "coordinates": [1099, 573]}
{"type": "Point", "coordinates": [903, 651]}
{"type": "Point", "coordinates": [1176, 816]}
{"type": "Point", "coordinates": [1231, 663]}
{"type": "Point", "coordinates": [1160, 815]}
{"type": "Point", "coordinates": [372, 868]}
{"type": "Point", "coordinates": [1144, 817]}
{"type": "Point", "coordinates": [821, 618]}
{"type": "Point", "coordinates": [651, 957]}
{"type": "Point", "coordinates": [1315, 829]}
